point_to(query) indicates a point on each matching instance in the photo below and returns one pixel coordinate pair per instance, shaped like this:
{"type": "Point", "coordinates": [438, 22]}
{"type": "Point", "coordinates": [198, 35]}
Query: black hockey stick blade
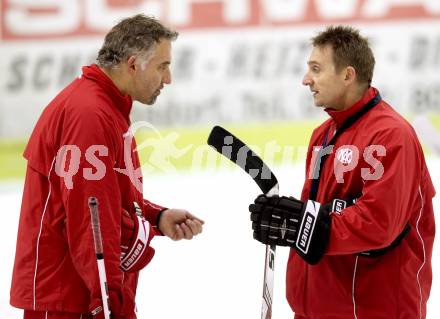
{"type": "Point", "coordinates": [234, 149]}
{"type": "Point", "coordinates": [239, 153]}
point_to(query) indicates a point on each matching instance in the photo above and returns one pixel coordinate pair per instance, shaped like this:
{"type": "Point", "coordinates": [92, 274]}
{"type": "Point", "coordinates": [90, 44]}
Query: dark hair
{"type": "Point", "coordinates": [134, 35]}
{"type": "Point", "coordinates": [349, 49]}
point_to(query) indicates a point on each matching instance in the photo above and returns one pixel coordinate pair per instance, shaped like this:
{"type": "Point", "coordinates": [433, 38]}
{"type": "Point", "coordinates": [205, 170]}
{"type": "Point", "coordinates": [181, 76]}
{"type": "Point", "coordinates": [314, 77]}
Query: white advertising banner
{"type": "Point", "coordinates": [235, 60]}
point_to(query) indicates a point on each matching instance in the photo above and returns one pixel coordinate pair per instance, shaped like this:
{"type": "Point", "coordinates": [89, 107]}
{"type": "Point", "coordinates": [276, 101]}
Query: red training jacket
{"type": "Point", "coordinates": [395, 188]}
{"type": "Point", "coordinates": [55, 264]}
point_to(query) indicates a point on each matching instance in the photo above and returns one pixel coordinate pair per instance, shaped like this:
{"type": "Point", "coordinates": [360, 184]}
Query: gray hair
{"type": "Point", "coordinates": [137, 35]}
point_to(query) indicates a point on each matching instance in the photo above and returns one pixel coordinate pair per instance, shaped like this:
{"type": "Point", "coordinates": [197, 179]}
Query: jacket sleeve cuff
{"type": "Point", "coordinates": [152, 213]}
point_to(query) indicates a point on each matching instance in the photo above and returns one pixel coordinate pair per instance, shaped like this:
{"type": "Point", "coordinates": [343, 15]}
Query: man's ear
{"type": "Point", "coordinates": [131, 63]}
{"type": "Point", "coordinates": [350, 75]}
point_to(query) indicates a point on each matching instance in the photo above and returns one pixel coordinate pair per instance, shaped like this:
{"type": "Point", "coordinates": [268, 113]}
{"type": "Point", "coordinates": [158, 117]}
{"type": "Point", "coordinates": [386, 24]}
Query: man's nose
{"type": "Point", "coordinates": [307, 80]}
{"type": "Point", "coordinates": [167, 77]}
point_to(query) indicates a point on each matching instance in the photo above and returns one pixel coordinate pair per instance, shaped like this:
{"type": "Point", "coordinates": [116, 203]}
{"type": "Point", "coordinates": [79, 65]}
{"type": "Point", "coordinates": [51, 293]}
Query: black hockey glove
{"type": "Point", "coordinates": [286, 221]}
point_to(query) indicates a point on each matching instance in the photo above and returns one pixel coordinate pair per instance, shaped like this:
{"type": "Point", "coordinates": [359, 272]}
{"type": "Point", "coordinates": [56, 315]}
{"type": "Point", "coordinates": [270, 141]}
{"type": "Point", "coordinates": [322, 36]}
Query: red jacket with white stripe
{"type": "Point", "coordinates": [395, 189]}
{"type": "Point", "coordinates": [55, 264]}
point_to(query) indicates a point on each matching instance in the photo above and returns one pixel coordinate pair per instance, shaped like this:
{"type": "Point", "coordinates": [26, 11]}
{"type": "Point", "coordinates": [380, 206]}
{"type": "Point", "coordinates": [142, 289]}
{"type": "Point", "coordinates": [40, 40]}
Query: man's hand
{"type": "Point", "coordinates": [286, 221]}
{"type": "Point", "coordinates": [115, 306]}
{"type": "Point", "coordinates": [179, 224]}
{"type": "Point", "coordinates": [136, 235]}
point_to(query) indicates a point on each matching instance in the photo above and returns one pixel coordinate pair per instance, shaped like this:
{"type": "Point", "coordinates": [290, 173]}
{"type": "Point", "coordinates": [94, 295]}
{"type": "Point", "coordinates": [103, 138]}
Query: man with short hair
{"type": "Point", "coordinates": [81, 147]}
{"type": "Point", "coordinates": [367, 252]}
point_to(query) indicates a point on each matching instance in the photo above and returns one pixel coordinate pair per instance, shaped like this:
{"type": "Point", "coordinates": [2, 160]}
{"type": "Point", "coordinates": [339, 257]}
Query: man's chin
{"type": "Point", "coordinates": [151, 101]}
{"type": "Point", "coordinates": [318, 104]}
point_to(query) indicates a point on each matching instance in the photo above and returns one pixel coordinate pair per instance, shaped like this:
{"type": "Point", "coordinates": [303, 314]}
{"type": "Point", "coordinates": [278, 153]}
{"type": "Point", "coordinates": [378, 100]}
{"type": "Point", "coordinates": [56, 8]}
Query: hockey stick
{"type": "Point", "coordinates": [94, 212]}
{"type": "Point", "coordinates": [239, 153]}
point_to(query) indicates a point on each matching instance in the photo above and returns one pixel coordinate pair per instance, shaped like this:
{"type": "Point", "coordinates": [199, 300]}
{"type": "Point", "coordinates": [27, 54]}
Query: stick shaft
{"type": "Point", "coordinates": [99, 250]}
{"type": "Point", "coordinates": [269, 273]}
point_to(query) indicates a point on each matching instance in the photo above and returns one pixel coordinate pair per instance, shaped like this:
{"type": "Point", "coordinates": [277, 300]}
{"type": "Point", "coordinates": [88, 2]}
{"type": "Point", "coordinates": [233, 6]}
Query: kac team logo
{"type": "Point", "coordinates": [345, 155]}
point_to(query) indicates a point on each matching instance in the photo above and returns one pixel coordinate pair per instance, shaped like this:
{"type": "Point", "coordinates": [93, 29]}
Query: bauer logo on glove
{"type": "Point", "coordinates": [136, 235]}
{"type": "Point", "coordinates": [286, 221]}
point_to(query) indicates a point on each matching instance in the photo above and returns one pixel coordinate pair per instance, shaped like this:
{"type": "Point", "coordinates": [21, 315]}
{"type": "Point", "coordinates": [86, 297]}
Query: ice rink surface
{"type": "Point", "coordinates": [218, 274]}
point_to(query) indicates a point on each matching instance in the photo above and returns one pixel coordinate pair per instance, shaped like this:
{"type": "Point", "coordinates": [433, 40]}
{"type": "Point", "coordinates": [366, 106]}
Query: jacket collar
{"type": "Point", "coordinates": [341, 116]}
{"type": "Point", "coordinates": [123, 102]}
